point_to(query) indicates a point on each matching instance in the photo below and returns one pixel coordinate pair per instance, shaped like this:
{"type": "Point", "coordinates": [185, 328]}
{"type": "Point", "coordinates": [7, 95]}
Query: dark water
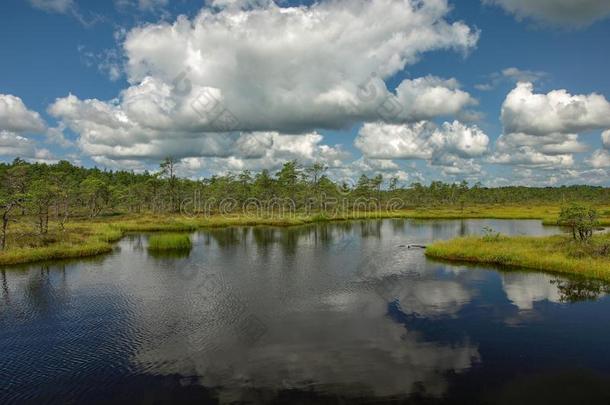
{"type": "Point", "coordinates": [334, 313]}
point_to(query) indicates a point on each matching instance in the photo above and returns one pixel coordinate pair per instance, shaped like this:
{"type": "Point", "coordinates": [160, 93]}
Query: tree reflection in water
{"type": "Point", "coordinates": [576, 290]}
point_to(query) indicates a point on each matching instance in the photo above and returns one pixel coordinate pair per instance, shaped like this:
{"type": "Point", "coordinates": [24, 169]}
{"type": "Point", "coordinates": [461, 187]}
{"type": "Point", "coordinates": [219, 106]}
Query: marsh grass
{"type": "Point", "coordinates": [169, 242]}
{"type": "Point", "coordinates": [83, 238]}
{"type": "Point", "coordinates": [557, 254]}
{"type": "Point", "coordinates": [76, 240]}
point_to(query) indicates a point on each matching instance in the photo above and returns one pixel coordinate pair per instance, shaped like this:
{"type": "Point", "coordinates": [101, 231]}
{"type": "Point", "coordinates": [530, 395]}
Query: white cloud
{"type": "Point", "coordinates": [16, 117]}
{"type": "Point", "coordinates": [370, 166]}
{"type": "Point", "coordinates": [460, 140]}
{"type": "Point", "coordinates": [542, 130]}
{"type": "Point", "coordinates": [554, 112]}
{"type": "Point", "coordinates": [56, 136]}
{"type": "Point", "coordinates": [557, 175]}
{"type": "Point", "coordinates": [600, 159]}
{"type": "Point", "coordinates": [452, 165]}
{"type": "Point", "coordinates": [552, 144]}
{"type": "Point", "coordinates": [309, 76]}
{"type": "Point", "coordinates": [388, 141]}
{"type": "Point", "coordinates": [429, 97]}
{"type": "Point", "coordinates": [572, 13]}
{"type": "Point", "coordinates": [606, 139]}
{"type": "Point", "coordinates": [13, 145]}
{"type": "Point", "coordinates": [451, 146]}
{"type": "Point", "coordinates": [15, 121]}
{"type": "Point", "coordinates": [194, 83]}
{"type": "Point", "coordinates": [107, 132]}
{"type": "Point", "coordinates": [268, 150]}
{"type": "Point", "coordinates": [530, 157]}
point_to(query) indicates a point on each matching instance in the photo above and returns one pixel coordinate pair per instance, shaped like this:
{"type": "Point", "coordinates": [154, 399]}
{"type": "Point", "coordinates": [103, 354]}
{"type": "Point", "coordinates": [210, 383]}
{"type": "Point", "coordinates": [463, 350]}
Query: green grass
{"type": "Point", "coordinates": [91, 237]}
{"type": "Point", "coordinates": [169, 241]}
{"type": "Point", "coordinates": [557, 254]}
{"type": "Point", "coordinates": [78, 240]}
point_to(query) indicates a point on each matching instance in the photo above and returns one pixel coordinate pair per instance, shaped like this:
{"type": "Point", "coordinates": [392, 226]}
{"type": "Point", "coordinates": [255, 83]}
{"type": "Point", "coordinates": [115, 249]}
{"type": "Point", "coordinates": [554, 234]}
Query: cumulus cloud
{"type": "Point", "coordinates": [599, 159]}
{"type": "Point", "coordinates": [107, 134]}
{"type": "Point", "coordinates": [542, 130]}
{"type": "Point", "coordinates": [16, 117]}
{"type": "Point", "coordinates": [570, 13]}
{"type": "Point", "coordinates": [537, 151]}
{"type": "Point", "coordinates": [429, 97]}
{"type": "Point", "coordinates": [452, 145]}
{"type": "Point", "coordinates": [14, 145]}
{"type": "Point", "coordinates": [251, 151]}
{"type": "Point", "coordinates": [198, 85]}
{"type": "Point", "coordinates": [16, 120]}
{"type": "Point", "coordinates": [56, 136]}
{"type": "Point", "coordinates": [302, 81]}
{"type": "Point", "coordinates": [557, 111]}
{"type": "Point", "coordinates": [452, 165]}
{"type": "Point", "coordinates": [529, 156]}
{"type": "Point", "coordinates": [385, 141]}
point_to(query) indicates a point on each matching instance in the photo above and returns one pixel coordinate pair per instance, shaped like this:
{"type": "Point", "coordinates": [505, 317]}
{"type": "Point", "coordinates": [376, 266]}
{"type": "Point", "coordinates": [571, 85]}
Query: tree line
{"type": "Point", "coordinates": [63, 191]}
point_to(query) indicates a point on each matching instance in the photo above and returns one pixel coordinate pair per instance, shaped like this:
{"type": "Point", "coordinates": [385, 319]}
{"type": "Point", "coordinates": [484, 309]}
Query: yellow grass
{"type": "Point", "coordinates": [90, 237]}
{"type": "Point", "coordinates": [558, 254]}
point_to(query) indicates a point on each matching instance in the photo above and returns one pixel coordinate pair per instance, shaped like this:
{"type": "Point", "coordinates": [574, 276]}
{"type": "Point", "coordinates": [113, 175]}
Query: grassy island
{"type": "Point", "coordinates": [557, 254]}
{"type": "Point", "coordinates": [169, 241]}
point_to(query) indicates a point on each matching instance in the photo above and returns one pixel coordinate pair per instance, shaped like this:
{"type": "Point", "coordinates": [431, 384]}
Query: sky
{"type": "Point", "coordinates": [500, 92]}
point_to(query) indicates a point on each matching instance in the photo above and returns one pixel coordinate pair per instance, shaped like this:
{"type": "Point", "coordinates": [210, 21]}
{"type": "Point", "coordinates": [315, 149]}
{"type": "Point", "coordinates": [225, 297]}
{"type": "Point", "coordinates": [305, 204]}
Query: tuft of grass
{"type": "Point", "coordinates": [556, 254]}
{"type": "Point", "coordinates": [169, 241]}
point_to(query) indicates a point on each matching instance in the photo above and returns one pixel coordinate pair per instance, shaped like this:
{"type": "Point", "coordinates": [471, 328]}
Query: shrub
{"type": "Point", "coordinates": [489, 235]}
{"type": "Point", "coordinates": [580, 219]}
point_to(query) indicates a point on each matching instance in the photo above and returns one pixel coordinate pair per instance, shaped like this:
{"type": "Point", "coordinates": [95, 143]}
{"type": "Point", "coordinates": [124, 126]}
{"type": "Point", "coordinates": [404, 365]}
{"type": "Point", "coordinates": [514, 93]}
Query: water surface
{"type": "Point", "coordinates": [328, 313]}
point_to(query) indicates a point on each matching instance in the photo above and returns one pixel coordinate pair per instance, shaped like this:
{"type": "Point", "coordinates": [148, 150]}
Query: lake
{"type": "Point", "coordinates": [330, 313]}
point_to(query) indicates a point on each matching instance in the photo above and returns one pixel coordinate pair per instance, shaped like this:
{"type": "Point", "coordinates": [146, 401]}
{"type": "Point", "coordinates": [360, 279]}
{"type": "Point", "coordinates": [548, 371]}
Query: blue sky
{"type": "Point", "coordinates": [100, 51]}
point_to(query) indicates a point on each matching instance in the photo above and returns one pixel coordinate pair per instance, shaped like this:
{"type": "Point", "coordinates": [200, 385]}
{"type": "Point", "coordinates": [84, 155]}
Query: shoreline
{"type": "Point", "coordinates": [97, 236]}
{"type": "Point", "coordinates": [556, 254]}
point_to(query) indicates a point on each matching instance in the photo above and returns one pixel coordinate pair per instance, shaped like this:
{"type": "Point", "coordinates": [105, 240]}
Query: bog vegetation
{"type": "Point", "coordinates": [583, 252]}
{"type": "Point", "coordinates": [61, 210]}
{"type": "Point", "coordinates": [554, 253]}
{"type": "Point", "coordinates": [169, 241]}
